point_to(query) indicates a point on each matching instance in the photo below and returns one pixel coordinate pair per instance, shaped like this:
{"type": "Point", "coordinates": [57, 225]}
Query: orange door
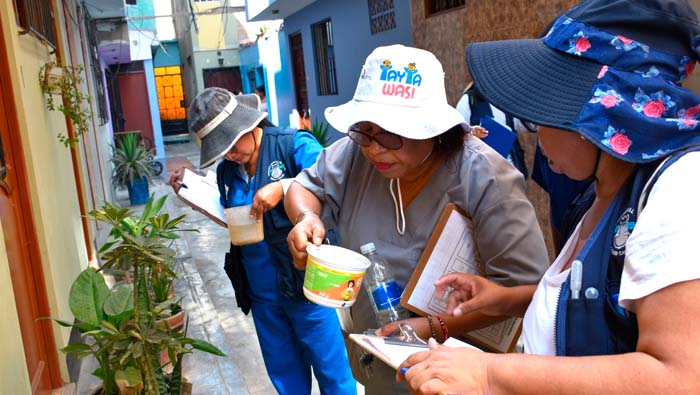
{"type": "Point", "coordinates": [21, 245]}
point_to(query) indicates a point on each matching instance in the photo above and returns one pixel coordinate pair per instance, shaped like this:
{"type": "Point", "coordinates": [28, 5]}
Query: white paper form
{"type": "Point", "coordinates": [455, 251]}
{"type": "Point", "coordinates": [202, 194]}
{"type": "Point", "coordinates": [394, 354]}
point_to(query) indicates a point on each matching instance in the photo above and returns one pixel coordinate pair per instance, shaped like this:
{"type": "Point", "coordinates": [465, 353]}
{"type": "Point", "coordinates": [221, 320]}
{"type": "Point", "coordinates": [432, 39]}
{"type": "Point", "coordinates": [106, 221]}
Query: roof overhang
{"type": "Point", "coordinates": [264, 10]}
{"type": "Point", "coordinates": [106, 9]}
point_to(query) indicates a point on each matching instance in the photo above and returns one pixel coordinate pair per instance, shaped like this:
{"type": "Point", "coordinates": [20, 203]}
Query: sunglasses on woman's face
{"type": "Point", "coordinates": [386, 139]}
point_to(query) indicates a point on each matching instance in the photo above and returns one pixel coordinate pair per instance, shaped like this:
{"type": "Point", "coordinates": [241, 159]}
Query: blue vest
{"type": "Point", "coordinates": [275, 161]}
{"type": "Point", "coordinates": [599, 326]}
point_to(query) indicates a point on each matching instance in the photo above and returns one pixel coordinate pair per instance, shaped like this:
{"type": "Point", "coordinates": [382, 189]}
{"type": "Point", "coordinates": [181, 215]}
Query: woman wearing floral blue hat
{"type": "Point", "coordinates": [623, 296]}
{"type": "Point", "coordinates": [405, 158]}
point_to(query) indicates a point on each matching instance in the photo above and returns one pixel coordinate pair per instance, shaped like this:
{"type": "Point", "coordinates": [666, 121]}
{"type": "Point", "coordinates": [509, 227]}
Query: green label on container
{"type": "Point", "coordinates": [330, 283]}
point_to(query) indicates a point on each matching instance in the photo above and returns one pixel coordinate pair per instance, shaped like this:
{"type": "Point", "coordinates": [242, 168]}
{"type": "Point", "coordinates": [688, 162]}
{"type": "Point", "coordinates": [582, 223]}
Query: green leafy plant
{"type": "Point", "coordinates": [320, 130]}
{"type": "Point", "coordinates": [131, 160]}
{"type": "Point", "coordinates": [75, 105]}
{"type": "Point", "coordinates": [121, 322]}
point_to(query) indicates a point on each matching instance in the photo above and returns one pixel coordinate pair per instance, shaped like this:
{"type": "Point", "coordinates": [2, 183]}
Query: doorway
{"type": "Point", "coordinates": [296, 48]}
{"type": "Point", "coordinates": [20, 244]}
{"type": "Point", "coordinates": [224, 77]}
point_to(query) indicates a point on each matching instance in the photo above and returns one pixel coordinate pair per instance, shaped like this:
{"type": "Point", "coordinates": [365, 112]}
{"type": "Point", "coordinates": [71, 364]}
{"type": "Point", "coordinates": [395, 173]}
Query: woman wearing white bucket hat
{"type": "Point", "coordinates": [406, 157]}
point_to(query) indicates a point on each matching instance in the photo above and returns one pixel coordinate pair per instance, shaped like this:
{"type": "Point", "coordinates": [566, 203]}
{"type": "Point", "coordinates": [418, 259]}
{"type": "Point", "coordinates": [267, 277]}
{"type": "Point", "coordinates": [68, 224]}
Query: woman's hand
{"type": "Point", "coordinates": [479, 131]}
{"type": "Point", "coordinates": [444, 370]}
{"type": "Point", "coordinates": [308, 230]}
{"type": "Point", "coordinates": [419, 324]}
{"type": "Point", "coordinates": [175, 179]}
{"type": "Point", "coordinates": [266, 198]}
{"type": "Point", "coordinates": [469, 293]}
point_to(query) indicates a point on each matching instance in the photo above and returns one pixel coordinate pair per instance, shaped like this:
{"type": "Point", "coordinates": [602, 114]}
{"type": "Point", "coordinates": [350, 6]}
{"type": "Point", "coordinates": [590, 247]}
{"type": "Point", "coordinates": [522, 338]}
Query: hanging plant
{"type": "Point", "coordinates": [55, 79]}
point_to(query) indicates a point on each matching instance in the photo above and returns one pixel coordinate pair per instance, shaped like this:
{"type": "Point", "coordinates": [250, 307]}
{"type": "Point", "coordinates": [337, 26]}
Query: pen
{"type": "Point", "coordinates": [182, 184]}
{"type": "Point", "coordinates": [576, 277]}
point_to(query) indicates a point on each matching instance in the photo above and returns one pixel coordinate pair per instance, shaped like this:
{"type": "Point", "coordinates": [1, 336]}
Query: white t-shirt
{"type": "Point", "coordinates": [661, 251]}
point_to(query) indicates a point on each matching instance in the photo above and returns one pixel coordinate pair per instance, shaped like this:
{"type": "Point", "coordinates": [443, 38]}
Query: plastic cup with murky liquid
{"type": "Point", "coordinates": [243, 228]}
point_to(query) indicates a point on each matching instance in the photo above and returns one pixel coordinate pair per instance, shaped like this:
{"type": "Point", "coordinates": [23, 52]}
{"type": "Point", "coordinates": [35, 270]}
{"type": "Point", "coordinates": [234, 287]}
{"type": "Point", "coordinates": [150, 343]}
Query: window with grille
{"type": "Point", "coordinates": [324, 55]}
{"type": "Point", "coordinates": [437, 6]}
{"type": "Point", "coordinates": [381, 15]}
{"type": "Point", "coordinates": [36, 17]}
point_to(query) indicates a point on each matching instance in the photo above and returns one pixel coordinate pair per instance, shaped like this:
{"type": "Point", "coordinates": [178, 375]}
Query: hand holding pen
{"type": "Point", "coordinates": [175, 180]}
{"type": "Point", "coordinates": [444, 370]}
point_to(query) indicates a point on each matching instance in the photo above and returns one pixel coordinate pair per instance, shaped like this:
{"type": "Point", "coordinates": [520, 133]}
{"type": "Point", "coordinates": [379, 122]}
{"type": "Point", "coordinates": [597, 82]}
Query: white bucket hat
{"type": "Point", "coordinates": [401, 89]}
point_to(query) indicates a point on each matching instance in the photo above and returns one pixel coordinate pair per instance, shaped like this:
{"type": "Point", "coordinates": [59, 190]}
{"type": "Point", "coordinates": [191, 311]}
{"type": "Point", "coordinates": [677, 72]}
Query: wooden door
{"type": "Point", "coordinates": [20, 243]}
{"type": "Point", "coordinates": [136, 109]}
{"type": "Point", "coordinates": [225, 77]}
{"type": "Point", "coordinates": [296, 49]}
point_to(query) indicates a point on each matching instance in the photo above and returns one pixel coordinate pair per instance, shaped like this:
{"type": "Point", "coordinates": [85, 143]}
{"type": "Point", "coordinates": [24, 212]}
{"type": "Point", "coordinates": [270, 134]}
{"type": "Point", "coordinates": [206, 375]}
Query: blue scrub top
{"type": "Point", "coordinates": [257, 260]}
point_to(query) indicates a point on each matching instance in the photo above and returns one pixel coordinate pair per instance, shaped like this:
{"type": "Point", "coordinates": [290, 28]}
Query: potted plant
{"type": "Point", "coordinates": [319, 129]}
{"type": "Point", "coordinates": [55, 79]}
{"type": "Point", "coordinates": [132, 167]}
{"type": "Point", "coordinates": [121, 322]}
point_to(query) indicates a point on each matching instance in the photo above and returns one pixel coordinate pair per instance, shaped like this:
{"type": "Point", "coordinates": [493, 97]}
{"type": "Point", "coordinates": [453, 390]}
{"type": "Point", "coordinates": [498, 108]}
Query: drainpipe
{"type": "Point", "coordinates": [75, 155]}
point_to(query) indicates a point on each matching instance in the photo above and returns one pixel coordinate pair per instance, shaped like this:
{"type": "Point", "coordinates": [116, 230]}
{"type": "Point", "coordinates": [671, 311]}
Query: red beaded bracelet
{"type": "Point", "coordinates": [444, 328]}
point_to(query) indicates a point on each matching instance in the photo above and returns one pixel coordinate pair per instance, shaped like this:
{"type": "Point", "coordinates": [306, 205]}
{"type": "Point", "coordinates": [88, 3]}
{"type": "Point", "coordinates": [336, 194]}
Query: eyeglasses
{"type": "Point", "coordinates": [386, 139]}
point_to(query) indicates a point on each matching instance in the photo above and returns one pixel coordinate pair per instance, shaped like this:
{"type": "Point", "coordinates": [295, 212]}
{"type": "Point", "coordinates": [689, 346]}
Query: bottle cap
{"type": "Point", "coordinates": [367, 248]}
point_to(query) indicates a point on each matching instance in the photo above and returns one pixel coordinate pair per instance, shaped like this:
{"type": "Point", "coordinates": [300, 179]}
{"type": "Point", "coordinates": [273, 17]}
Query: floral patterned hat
{"type": "Point", "coordinates": [609, 70]}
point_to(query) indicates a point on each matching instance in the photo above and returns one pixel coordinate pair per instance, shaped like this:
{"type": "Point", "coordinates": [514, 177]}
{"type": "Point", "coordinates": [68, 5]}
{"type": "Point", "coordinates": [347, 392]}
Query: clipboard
{"type": "Point", "coordinates": [500, 137]}
{"type": "Point", "coordinates": [202, 194]}
{"type": "Point", "coordinates": [393, 354]}
{"type": "Point", "coordinates": [451, 248]}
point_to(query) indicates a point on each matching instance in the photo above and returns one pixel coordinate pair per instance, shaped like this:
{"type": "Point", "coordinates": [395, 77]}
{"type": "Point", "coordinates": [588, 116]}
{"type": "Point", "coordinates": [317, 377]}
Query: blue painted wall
{"type": "Point", "coordinates": [353, 42]}
{"type": "Point", "coordinates": [155, 112]}
{"type": "Point", "coordinates": [272, 71]}
{"type": "Point", "coordinates": [168, 57]}
{"type": "Point", "coordinates": [143, 8]}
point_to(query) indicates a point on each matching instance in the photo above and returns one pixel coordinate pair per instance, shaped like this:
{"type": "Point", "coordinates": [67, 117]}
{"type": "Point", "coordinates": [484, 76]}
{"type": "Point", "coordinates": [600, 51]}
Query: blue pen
{"type": "Point", "coordinates": [403, 371]}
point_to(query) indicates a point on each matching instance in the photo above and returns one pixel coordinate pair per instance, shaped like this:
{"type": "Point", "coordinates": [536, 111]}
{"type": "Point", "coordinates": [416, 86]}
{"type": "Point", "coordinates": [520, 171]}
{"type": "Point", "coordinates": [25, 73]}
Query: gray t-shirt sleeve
{"type": "Point", "coordinates": [327, 179]}
{"type": "Point", "coordinates": [507, 233]}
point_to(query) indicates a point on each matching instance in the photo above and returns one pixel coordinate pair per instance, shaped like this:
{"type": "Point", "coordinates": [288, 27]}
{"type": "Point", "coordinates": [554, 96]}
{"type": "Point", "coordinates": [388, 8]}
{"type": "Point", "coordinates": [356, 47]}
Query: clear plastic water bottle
{"type": "Point", "coordinates": [384, 292]}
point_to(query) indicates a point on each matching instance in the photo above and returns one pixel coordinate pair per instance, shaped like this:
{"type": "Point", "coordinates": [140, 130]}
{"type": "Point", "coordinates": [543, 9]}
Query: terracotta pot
{"type": "Point", "coordinates": [176, 323]}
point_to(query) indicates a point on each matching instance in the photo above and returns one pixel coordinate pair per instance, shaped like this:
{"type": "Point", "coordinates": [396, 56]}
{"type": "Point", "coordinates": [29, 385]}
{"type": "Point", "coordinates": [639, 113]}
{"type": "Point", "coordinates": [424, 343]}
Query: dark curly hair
{"type": "Point", "coordinates": [450, 142]}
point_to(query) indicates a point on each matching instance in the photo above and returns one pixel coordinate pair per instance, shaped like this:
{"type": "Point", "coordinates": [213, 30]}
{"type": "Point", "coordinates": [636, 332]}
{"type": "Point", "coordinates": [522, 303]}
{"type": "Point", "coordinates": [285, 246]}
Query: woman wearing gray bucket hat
{"type": "Point", "coordinates": [405, 158]}
{"type": "Point", "coordinates": [259, 160]}
{"type": "Point", "coordinates": [624, 291]}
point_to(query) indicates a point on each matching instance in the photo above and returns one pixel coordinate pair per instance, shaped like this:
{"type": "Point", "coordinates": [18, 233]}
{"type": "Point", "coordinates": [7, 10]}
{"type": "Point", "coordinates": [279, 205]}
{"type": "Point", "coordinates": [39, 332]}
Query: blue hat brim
{"type": "Point", "coordinates": [531, 81]}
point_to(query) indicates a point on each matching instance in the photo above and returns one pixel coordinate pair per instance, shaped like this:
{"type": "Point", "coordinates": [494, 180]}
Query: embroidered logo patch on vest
{"type": "Point", "coordinates": [276, 170]}
{"type": "Point", "coordinates": [625, 226]}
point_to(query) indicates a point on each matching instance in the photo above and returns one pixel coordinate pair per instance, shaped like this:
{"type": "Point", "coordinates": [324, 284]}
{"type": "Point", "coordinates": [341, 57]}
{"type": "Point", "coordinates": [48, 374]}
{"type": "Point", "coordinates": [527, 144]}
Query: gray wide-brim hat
{"type": "Point", "coordinates": [219, 118]}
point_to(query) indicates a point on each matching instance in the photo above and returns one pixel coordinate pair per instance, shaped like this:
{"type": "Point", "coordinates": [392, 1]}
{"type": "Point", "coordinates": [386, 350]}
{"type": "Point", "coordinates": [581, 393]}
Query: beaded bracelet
{"type": "Point", "coordinates": [432, 326]}
{"type": "Point", "coordinates": [445, 333]}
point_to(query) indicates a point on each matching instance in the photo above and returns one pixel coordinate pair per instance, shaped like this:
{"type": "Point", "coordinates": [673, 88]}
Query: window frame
{"type": "Point", "coordinates": [324, 62]}
{"type": "Point", "coordinates": [35, 18]}
{"type": "Point", "coordinates": [432, 8]}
